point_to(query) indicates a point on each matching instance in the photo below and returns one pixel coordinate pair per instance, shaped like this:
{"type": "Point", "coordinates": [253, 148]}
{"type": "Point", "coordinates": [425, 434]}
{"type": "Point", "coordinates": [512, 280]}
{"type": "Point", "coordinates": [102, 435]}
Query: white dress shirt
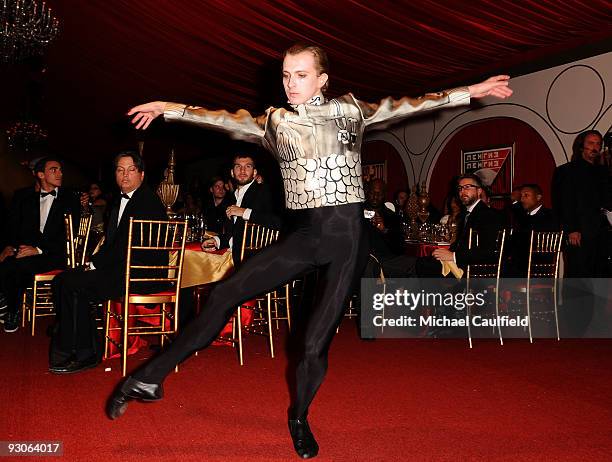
{"type": "Point", "coordinates": [239, 195]}
{"type": "Point", "coordinates": [122, 205]}
{"type": "Point", "coordinates": [534, 211]}
{"type": "Point", "coordinates": [45, 207]}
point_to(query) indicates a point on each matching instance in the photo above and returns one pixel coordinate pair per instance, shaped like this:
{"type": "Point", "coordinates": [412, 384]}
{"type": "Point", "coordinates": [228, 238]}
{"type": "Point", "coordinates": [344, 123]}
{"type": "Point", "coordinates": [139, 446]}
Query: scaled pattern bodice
{"type": "Point", "coordinates": [318, 147]}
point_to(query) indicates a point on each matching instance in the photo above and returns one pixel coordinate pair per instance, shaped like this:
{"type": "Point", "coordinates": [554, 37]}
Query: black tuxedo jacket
{"type": "Point", "coordinates": [215, 214]}
{"type": "Point", "coordinates": [487, 223]}
{"type": "Point", "coordinates": [544, 220]}
{"type": "Point", "coordinates": [111, 260]}
{"type": "Point", "coordinates": [259, 200]}
{"type": "Point", "coordinates": [579, 191]}
{"type": "Point", "coordinates": [24, 222]}
{"type": "Point", "coordinates": [518, 246]}
{"type": "Point", "coordinates": [388, 244]}
{"type": "Point", "coordinates": [516, 215]}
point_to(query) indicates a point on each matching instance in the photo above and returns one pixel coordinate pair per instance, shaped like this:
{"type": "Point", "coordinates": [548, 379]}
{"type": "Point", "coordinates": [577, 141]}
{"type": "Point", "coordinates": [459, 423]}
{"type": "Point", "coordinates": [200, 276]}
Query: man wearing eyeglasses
{"type": "Point", "coordinates": [486, 222]}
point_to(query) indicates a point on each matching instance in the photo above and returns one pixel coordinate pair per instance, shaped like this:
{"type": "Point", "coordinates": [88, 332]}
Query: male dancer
{"type": "Point", "coordinates": [317, 144]}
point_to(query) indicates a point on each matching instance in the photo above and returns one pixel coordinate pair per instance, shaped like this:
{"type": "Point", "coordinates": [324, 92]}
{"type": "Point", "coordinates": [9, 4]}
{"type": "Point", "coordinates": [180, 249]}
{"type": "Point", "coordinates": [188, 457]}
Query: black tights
{"type": "Point", "coordinates": [328, 238]}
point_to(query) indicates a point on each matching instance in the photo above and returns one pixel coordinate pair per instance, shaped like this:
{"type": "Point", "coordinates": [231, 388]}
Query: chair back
{"type": "Point", "coordinates": [76, 239]}
{"type": "Point", "coordinates": [544, 254]}
{"type": "Point", "coordinates": [490, 269]}
{"type": "Point", "coordinates": [256, 237]}
{"type": "Point", "coordinates": [155, 253]}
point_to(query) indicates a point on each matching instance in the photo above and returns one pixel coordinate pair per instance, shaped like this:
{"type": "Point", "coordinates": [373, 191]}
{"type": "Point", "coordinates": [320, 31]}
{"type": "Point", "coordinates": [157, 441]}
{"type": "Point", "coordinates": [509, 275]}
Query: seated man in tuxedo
{"type": "Point", "coordinates": [75, 344]}
{"type": "Point", "coordinates": [37, 234]}
{"type": "Point", "coordinates": [254, 203]}
{"type": "Point", "coordinates": [486, 222]}
{"type": "Point", "coordinates": [385, 236]}
{"type": "Point", "coordinates": [537, 218]}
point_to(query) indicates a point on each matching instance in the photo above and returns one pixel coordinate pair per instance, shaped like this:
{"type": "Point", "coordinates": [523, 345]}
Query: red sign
{"type": "Point", "coordinates": [486, 163]}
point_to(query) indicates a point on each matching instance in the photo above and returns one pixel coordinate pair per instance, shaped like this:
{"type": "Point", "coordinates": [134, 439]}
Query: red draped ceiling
{"type": "Point", "coordinates": [114, 53]}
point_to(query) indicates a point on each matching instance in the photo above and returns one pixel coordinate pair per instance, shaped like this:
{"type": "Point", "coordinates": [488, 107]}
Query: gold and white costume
{"type": "Point", "coordinates": [318, 146]}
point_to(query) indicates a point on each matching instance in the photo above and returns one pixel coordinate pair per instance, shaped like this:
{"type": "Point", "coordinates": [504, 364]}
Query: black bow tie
{"type": "Point", "coordinates": [125, 196]}
{"type": "Point", "coordinates": [45, 194]}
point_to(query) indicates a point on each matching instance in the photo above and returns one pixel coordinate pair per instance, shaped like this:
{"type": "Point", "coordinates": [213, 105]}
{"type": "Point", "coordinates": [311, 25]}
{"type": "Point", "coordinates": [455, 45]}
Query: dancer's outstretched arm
{"type": "Point", "coordinates": [390, 110]}
{"type": "Point", "coordinates": [239, 125]}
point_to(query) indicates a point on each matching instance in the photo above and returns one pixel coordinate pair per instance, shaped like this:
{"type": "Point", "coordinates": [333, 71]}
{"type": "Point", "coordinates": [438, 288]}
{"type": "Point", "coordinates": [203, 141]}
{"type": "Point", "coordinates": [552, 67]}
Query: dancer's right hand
{"type": "Point", "coordinates": [145, 113]}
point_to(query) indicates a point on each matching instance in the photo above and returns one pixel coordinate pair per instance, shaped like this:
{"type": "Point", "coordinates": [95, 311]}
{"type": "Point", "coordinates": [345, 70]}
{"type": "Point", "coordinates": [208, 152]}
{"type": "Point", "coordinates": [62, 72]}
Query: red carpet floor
{"type": "Point", "coordinates": [388, 400]}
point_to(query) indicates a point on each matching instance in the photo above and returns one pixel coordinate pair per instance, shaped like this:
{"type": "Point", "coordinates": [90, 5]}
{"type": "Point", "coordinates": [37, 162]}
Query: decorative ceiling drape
{"type": "Point", "coordinates": [115, 53]}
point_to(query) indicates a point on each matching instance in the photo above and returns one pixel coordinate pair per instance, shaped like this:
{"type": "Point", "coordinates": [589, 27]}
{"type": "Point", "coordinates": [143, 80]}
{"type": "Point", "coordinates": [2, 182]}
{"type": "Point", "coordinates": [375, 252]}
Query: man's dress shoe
{"type": "Point", "coordinates": [72, 365]}
{"type": "Point", "coordinates": [303, 440]}
{"type": "Point", "coordinates": [129, 390]}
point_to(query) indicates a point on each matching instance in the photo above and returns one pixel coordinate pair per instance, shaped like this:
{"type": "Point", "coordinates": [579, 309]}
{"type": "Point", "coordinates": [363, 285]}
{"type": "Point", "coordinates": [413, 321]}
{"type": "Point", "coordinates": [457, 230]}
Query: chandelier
{"type": "Point", "coordinates": [26, 28]}
{"type": "Point", "coordinates": [25, 135]}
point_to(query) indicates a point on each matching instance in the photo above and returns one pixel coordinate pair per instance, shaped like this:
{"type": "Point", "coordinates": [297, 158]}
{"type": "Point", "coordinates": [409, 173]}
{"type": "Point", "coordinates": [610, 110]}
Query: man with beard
{"type": "Point", "coordinates": [253, 203]}
{"type": "Point", "coordinates": [486, 222]}
{"type": "Point", "coordinates": [580, 189]}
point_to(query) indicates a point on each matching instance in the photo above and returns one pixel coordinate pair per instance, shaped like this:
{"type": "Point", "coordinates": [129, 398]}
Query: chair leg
{"type": "Point", "coordinates": [24, 308]}
{"type": "Point", "coordinates": [34, 295]}
{"type": "Point", "coordinates": [555, 305]}
{"type": "Point", "coordinates": [275, 311]}
{"type": "Point", "coordinates": [239, 327]}
{"type": "Point", "coordinates": [288, 305]}
{"type": "Point", "coordinates": [501, 340]}
{"type": "Point", "coordinates": [124, 339]}
{"type": "Point", "coordinates": [163, 325]}
{"type": "Point", "coordinates": [269, 322]}
{"type": "Point", "coordinates": [106, 328]}
{"type": "Point", "coordinates": [529, 312]}
{"type": "Point", "coordinates": [467, 318]}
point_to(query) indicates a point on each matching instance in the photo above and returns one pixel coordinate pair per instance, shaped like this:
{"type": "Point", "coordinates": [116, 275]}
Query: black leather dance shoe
{"type": "Point", "coordinates": [303, 440]}
{"type": "Point", "coordinates": [129, 390]}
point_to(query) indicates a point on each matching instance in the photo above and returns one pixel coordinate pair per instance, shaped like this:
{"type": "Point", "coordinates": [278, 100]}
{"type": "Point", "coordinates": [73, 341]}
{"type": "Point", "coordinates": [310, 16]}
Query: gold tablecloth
{"type": "Point", "coordinates": [201, 267]}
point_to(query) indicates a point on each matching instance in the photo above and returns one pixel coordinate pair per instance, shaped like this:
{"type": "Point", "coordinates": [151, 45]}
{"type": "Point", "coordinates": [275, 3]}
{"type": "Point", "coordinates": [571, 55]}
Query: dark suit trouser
{"type": "Point", "coordinates": [328, 238]}
{"type": "Point", "coordinates": [16, 274]}
{"type": "Point", "coordinates": [588, 260]}
{"type": "Point", "coordinates": [75, 291]}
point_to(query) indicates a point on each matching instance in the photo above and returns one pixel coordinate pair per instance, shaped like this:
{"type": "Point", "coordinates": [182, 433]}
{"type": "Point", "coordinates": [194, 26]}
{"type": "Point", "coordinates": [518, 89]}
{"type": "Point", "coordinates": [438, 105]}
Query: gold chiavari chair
{"type": "Point", "coordinates": [165, 239]}
{"type": "Point", "coordinates": [255, 238]}
{"type": "Point", "coordinates": [41, 302]}
{"type": "Point", "coordinates": [486, 270]}
{"type": "Point", "coordinates": [544, 257]}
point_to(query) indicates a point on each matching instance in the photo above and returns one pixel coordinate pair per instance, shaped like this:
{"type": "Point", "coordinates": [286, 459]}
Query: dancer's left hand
{"type": "Point", "coordinates": [494, 86]}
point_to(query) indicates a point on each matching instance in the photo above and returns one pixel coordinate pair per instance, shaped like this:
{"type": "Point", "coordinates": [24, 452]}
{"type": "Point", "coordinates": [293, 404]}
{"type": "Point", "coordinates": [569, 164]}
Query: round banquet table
{"type": "Point", "coordinates": [423, 249]}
